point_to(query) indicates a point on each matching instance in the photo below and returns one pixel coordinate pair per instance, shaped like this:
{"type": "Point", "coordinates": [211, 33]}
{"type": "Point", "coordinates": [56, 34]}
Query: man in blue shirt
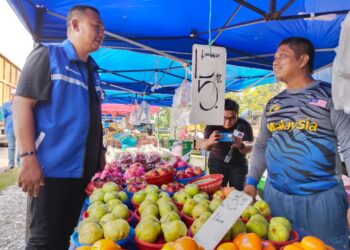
{"type": "Point", "coordinates": [10, 135]}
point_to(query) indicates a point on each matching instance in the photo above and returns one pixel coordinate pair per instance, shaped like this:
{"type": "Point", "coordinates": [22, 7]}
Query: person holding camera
{"type": "Point", "coordinates": [229, 158]}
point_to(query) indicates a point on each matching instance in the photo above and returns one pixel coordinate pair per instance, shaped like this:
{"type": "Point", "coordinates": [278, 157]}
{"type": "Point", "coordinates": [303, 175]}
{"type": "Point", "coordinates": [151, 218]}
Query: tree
{"type": "Point", "coordinates": [255, 98]}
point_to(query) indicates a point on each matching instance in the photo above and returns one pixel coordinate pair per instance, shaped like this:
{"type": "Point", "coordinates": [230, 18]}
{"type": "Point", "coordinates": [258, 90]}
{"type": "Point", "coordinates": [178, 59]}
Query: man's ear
{"type": "Point", "coordinates": [75, 24]}
{"type": "Point", "coordinates": [303, 60]}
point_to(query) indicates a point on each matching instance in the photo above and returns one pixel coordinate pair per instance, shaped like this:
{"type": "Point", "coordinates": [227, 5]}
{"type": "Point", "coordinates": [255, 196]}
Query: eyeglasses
{"type": "Point", "coordinates": [230, 119]}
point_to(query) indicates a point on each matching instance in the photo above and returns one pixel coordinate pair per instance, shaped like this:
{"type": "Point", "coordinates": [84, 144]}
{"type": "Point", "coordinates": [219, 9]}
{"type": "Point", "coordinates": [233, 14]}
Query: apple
{"type": "Point", "coordinates": [182, 164]}
{"type": "Point", "coordinates": [147, 231]}
{"type": "Point", "coordinates": [188, 206]}
{"type": "Point", "coordinates": [284, 221]}
{"type": "Point", "coordinates": [218, 195]}
{"type": "Point", "coordinates": [163, 172]}
{"type": "Point", "coordinates": [277, 231]}
{"type": "Point", "coordinates": [199, 209]}
{"type": "Point", "coordinates": [189, 171]}
{"type": "Point", "coordinates": [97, 195]}
{"type": "Point", "coordinates": [89, 233]}
{"type": "Point", "coordinates": [150, 209]}
{"type": "Point", "coordinates": [249, 211]}
{"type": "Point", "coordinates": [214, 204]}
{"type": "Point", "coordinates": [169, 216]}
{"type": "Point", "coordinates": [197, 171]}
{"type": "Point", "coordinates": [198, 197]}
{"type": "Point", "coordinates": [112, 203]}
{"type": "Point", "coordinates": [152, 189]}
{"type": "Point", "coordinates": [258, 225]}
{"type": "Point", "coordinates": [144, 204]}
{"type": "Point", "coordinates": [238, 227]}
{"type": "Point", "coordinates": [181, 197]}
{"type": "Point", "coordinates": [192, 189]}
{"type": "Point", "coordinates": [139, 196]}
{"type": "Point", "coordinates": [189, 175]}
{"type": "Point", "coordinates": [174, 230]}
{"type": "Point", "coordinates": [110, 195]}
{"type": "Point", "coordinates": [109, 187]}
{"type": "Point", "coordinates": [123, 196]}
{"type": "Point", "coordinates": [263, 208]}
{"type": "Point", "coordinates": [152, 196]}
{"type": "Point", "coordinates": [180, 174]}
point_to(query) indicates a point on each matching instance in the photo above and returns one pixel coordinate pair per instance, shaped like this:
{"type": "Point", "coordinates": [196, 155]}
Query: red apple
{"type": "Point", "coordinates": [171, 189]}
{"type": "Point", "coordinates": [180, 174]}
{"type": "Point", "coordinates": [189, 175]}
{"type": "Point", "coordinates": [197, 170]}
{"type": "Point", "coordinates": [181, 164]}
{"type": "Point", "coordinates": [189, 171]}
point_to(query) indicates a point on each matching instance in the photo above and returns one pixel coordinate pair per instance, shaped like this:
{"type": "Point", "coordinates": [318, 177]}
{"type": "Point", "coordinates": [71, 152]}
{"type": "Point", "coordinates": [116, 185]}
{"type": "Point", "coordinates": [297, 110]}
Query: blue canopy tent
{"type": "Point", "coordinates": [249, 30]}
{"type": "Point", "coordinates": [154, 78]}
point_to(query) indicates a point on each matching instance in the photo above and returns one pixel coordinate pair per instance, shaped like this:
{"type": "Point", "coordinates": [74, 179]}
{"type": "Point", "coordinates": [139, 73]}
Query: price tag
{"type": "Point", "coordinates": [208, 85]}
{"type": "Point", "coordinates": [222, 219]}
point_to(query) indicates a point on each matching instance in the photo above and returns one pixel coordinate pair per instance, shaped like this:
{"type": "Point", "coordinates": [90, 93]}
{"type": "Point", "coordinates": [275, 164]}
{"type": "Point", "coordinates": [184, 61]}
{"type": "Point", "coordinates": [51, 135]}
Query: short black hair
{"type": "Point", "coordinates": [231, 105]}
{"type": "Point", "coordinates": [80, 9]}
{"type": "Point", "coordinates": [300, 46]}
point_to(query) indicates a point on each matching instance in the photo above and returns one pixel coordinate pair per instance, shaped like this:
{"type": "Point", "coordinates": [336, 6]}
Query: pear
{"type": "Point", "coordinates": [214, 204]}
{"type": "Point", "coordinates": [116, 230]}
{"type": "Point", "coordinates": [144, 204]}
{"type": "Point", "coordinates": [174, 230]}
{"type": "Point", "coordinates": [263, 208]}
{"type": "Point", "coordinates": [90, 232]}
{"type": "Point", "coordinates": [197, 224]}
{"type": "Point", "coordinates": [257, 226]}
{"type": "Point", "coordinates": [150, 209]}
{"type": "Point", "coordinates": [147, 231]}
{"type": "Point", "coordinates": [198, 210]}
{"type": "Point", "coordinates": [249, 211]}
{"type": "Point", "coordinates": [121, 211]}
{"type": "Point", "coordinates": [188, 206]}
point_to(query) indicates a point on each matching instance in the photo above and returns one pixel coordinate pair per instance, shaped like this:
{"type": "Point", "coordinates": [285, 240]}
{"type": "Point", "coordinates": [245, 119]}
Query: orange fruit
{"type": "Point", "coordinates": [105, 244]}
{"type": "Point", "coordinates": [83, 248]}
{"type": "Point", "coordinates": [168, 246]}
{"type": "Point", "coordinates": [292, 247]}
{"type": "Point", "coordinates": [268, 246]}
{"type": "Point", "coordinates": [328, 247]}
{"type": "Point", "coordinates": [312, 243]}
{"type": "Point", "coordinates": [238, 238]}
{"type": "Point", "coordinates": [185, 243]}
{"type": "Point", "coordinates": [227, 246]}
{"type": "Point", "coordinates": [250, 241]}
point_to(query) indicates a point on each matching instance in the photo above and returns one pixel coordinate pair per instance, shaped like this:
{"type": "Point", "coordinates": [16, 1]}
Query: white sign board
{"type": "Point", "coordinates": [208, 85]}
{"type": "Point", "coordinates": [222, 219]}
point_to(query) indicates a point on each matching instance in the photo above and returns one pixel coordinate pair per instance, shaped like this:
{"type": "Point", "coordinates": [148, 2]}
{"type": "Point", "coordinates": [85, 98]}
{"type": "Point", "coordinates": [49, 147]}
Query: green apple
{"type": "Point", "coordinates": [196, 225]}
{"type": "Point", "coordinates": [110, 195]}
{"type": "Point", "coordinates": [122, 196]}
{"type": "Point", "coordinates": [109, 187]}
{"type": "Point", "coordinates": [139, 196]}
{"type": "Point", "coordinates": [152, 196]}
{"type": "Point", "coordinates": [150, 209]}
{"type": "Point", "coordinates": [249, 211]}
{"type": "Point", "coordinates": [199, 197]}
{"type": "Point", "coordinates": [182, 197]}
{"type": "Point", "coordinates": [198, 210]}
{"type": "Point", "coordinates": [284, 221]}
{"type": "Point", "coordinates": [263, 208]}
{"type": "Point", "coordinates": [277, 231]}
{"type": "Point", "coordinates": [214, 204]}
{"type": "Point", "coordinates": [238, 227]}
{"type": "Point", "coordinates": [97, 195]}
{"type": "Point", "coordinates": [257, 226]}
{"type": "Point", "coordinates": [188, 206]}
{"type": "Point", "coordinates": [170, 216]}
{"type": "Point", "coordinates": [144, 204]}
{"type": "Point", "coordinates": [192, 189]}
{"type": "Point", "coordinates": [112, 203]}
{"type": "Point", "coordinates": [152, 189]}
{"type": "Point", "coordinates": [174, 230]}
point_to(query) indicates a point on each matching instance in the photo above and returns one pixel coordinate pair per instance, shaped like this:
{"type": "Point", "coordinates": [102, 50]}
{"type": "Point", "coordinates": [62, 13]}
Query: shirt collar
{"type": "Point", "coordinates": [72, 55]}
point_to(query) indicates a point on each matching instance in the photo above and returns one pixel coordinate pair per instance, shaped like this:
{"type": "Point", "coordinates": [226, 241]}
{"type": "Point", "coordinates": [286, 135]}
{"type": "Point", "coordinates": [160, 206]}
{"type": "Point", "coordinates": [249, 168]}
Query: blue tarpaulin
{"type": "Point", "coordinates": [249, 30]}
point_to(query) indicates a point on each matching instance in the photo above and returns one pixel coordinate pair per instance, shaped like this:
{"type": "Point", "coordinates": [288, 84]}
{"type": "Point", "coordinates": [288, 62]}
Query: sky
{"type": "Point", "coordinates": [15, 41]}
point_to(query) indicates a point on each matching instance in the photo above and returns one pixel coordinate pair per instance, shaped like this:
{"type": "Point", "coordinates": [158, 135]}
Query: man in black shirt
{"type": "Point", "coordinates": [57, 119]}
{"type": "Point", "coordinates": [236, 169]}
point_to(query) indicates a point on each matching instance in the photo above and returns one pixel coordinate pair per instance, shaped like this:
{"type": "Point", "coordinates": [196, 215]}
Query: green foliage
{"type": "Point", "coordinates": [162, 120]}
{"type": "Point", "coordinates": [255, 98]}
{"type": "Point", "coordinates": [8, 178]}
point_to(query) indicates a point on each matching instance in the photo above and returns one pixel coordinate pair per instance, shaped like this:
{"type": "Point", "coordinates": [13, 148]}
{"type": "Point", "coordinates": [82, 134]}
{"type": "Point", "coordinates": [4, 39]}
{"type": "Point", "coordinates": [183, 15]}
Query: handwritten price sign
{"type": "Point", "coordinates": [222, 219]}
{"type": "Point", "coordinates": [208, 84]}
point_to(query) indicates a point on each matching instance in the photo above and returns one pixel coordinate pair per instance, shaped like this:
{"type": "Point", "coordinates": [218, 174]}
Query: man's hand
{"type": "Point", "coordinates": [30, 178]}
{"type": "Point", "coordinates": [250, 190]}
{"type": "Point", "coordinates": [214, 137]}
{"type": "Point", "coordinates": [237, 142]}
